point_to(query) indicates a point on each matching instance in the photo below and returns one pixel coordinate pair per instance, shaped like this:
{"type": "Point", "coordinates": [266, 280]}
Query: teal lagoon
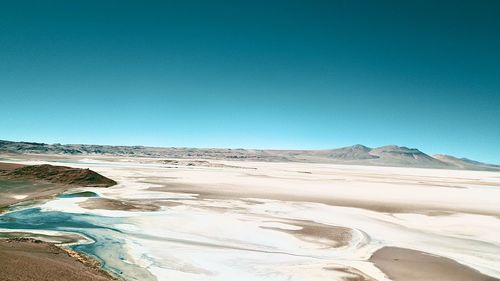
{"type": "Point", "coordinates": [78, 194]}
{"type": "Point", "coordinates": [107, 244]}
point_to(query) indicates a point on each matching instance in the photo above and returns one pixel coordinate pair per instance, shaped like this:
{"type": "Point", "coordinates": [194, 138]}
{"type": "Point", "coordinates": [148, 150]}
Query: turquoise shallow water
{"type": "Point", "coordinates": [78, 194]}
{"type": "Point", "coordinates": [108, 245]}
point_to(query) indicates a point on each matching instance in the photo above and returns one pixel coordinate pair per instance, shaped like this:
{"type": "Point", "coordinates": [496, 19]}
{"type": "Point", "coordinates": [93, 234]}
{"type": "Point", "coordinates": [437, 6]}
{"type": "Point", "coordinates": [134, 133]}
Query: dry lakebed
{"type": "Point", "coordinates": [168, 219]}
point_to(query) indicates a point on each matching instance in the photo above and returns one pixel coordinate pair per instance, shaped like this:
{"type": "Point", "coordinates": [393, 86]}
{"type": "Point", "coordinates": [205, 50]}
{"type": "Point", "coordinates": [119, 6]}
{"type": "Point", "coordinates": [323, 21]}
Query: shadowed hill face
{"type": "Point", "coordinates": [355, 152]}
{"type": "Point", "coordinates": [404, 155]}
{"type": "Point", "coordinates": [60, 174]}
{"type": "Point", "coordinates": [390, 155]}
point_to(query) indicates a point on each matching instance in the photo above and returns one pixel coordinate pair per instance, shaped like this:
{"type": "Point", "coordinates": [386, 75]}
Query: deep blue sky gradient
{"type": "Point", "coordinates": [253, 74]}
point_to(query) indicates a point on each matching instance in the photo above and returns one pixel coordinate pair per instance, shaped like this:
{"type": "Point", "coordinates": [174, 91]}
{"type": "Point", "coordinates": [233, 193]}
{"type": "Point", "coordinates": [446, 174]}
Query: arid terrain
{"type": "Point", "coordinates": [389, 155]}
{"type": "Point", "coordinates": [20, 182]}
{"type": "Point", "coordinates": [173, 219]}
{"type": "Point", "coordinates": [205, 140]}
{"type": "Point", "coordinates": [30, 260]}
{"type": "Point", "coordinates": [30, 256]}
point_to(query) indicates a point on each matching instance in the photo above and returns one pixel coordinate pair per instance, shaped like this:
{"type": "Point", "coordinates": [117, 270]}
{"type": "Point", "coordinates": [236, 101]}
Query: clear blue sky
{"type": "Point", "coordinates": [253, 74]}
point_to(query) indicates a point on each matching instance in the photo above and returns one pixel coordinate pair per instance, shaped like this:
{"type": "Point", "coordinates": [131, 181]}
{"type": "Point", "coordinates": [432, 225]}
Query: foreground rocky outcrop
{"type": "Point", "coordinates": [29, 259]}
{"type": "Point", "coordinates": [58, 174]}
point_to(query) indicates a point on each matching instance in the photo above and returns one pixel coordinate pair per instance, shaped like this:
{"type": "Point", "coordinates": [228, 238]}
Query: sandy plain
{"type": "Point", "coordinates": [293, 221]}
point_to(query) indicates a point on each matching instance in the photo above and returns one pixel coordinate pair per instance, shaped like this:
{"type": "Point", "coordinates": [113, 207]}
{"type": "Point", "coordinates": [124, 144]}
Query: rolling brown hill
{"type": "Point", "coordinates": [58, 174]}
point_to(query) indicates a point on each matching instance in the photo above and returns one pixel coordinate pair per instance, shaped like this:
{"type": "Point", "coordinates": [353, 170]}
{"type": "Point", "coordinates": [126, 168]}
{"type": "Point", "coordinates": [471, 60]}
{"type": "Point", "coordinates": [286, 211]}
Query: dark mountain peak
{"type": "Point", "coordinates": [360, 147]}
{"type": "Point", "coordinates": [355, 152]}
{"type": "Point", "coordinates": [404, 156]}
{"type": "Point", "coordinates": [398, 150]}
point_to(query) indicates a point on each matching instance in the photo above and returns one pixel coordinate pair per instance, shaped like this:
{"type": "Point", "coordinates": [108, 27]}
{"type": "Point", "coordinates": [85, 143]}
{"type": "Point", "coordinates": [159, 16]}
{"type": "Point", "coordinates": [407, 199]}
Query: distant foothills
{"type": "Point", "coordinates": [390, 155]}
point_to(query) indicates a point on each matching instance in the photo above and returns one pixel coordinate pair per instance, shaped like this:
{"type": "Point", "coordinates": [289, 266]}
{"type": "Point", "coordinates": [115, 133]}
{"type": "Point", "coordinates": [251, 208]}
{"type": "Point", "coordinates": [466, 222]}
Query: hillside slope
{"type": "Point", "coordinates": [390, 155]}
{"type": "Point", "coordinates": [58, 174]}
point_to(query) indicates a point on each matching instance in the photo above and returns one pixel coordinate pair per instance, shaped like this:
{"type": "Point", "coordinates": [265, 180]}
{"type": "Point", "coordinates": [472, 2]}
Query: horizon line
{"type": "Point", "coordinates": [247, 148]}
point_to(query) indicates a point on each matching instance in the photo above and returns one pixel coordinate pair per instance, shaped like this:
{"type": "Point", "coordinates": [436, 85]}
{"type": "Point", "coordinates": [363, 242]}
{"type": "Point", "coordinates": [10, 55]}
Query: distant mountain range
{"type": "Point", "coordinates": [391, 155]}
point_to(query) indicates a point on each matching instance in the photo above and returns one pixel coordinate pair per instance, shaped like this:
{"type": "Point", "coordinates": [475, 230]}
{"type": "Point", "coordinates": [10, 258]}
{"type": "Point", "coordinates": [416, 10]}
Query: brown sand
{"type": "Point", "coordinates": [9, 189]}
{"type": "Point", "coordinates": [10, 166]}
{"type": "Point", "coordinates": [32, 260]}
{"type": "Point", "coordinates": [401, 264]}
{"type": "Point", "coordinates": [328, 235]}
{"type": "Point", "coordinates": [59, 239]}
{"type": "Point", "coordinates": [353, 274]}
{"type": "Point", "coordinates": [119, 205]}
{"type": "Point", "coordinates": [224, 192]}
